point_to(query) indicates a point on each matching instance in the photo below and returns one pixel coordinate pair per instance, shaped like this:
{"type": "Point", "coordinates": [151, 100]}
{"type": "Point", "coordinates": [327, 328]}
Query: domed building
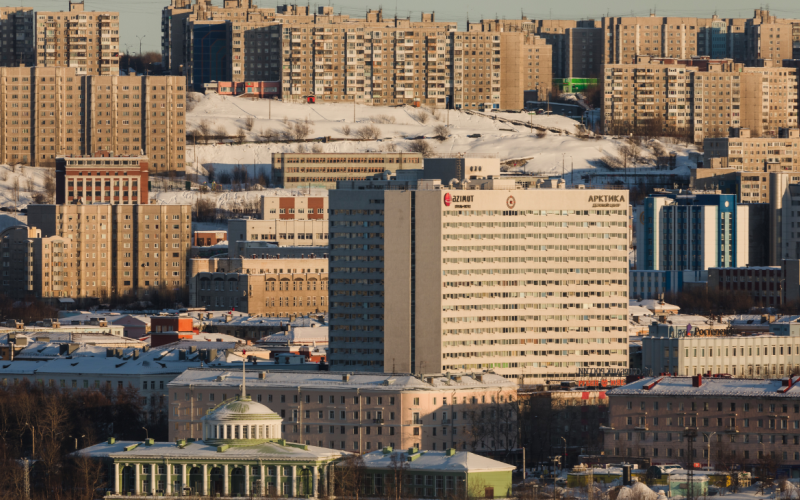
{"type": "Point", "coordinates": [242, 453]}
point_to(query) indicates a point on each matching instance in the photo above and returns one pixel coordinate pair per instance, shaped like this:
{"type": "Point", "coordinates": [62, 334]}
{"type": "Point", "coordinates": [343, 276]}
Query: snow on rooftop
{"type": "Point", "coordinates": [198, 449]}
{"type": "Point", "coordinates": [682, 386]}
{"type": "Point", "coordinates": [390, 382]}
{"type": "Point", "coordinates": [461, 461]}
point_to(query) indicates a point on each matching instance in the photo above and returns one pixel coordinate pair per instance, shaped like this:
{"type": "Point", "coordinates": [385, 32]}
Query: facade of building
{"type": "Point", "coordinates": [118, 249]}
{"type": "Point", "coordinates": [102, 178]}
{"type": "Point", "coordinates": [649, 417]}
{"type": "Point", "coordinates": [294, 207]}
{"type": "Point", "coordinates": [690, 350]}
{"type": "Point", "coordinates": [784, 217]}
{"type": "Point", "coordinates": [421, 278]}
{"type": "Point", "coordinates": [769, 286]}
{"type": "Point", "coordinates": [209, 238]}
{"type": "Point", "coordinates": [261, 287]}
{"type": "Point", "coordinates": [651, 284]}
{"type": "Point", "coordinates": [53, 111]}
{"type": "Point", "coordinates": [16, 36]}
{"type": "Point", "coordinates": [664, 94]}
{"type": "Point", "coordinates": [750, 154]}
{"type": "Point", "coordinates": [324, 170]}
{"type": "Point", "coordinates": [33, 266]}
{"type": "Point", "coordinates": [691, 232]}
{"type": "Point", "coordinates": [86, 41]}
{"type": "Point", "coordinates": [245, 234]}
{"type": "Point", "coordinates": [240, 452]}
{"type": "Point", "coordinates": [350, 412]}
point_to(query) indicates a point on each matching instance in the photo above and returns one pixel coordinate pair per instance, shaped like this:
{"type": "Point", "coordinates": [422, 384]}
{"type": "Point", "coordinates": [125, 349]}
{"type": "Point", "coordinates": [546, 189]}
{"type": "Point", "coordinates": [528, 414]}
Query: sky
{"type": "Point", "coordinates": [141, 19]}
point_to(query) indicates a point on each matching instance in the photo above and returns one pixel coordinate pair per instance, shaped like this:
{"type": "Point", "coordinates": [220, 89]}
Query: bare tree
{"type": "Point", "coordinates": [421, 146]}
{"type": "Point", "coordinates": [382, 119]}
{"type": "Point", "coordinates": [421, 116]}
{"type": "Point", "coordinates": [268, 135]}
{"type": "Point", "coordinates": [50, 186]}
{"type": "Point", "coordinates": [398, 469]}
{"type": "Point", "coordinates": [316, 148]}
{"type": "Point", "coordinates": [350, 477]}
{"type": "Point", "coordinates": [368, 132]}
{"type": "Point", "coordinates": [345, 130]}
{"type": "Point", "coordinates": [249, 122]}
{"type": "Point", "coordinates": [241, 135]}
{"type": "Point", "coordinates": [297, 131]}
{"type": "Point", "coordinates": [204, 130]}
{"type": "Point", "coordinates": [220, 132]}
{"type": "Point", "coordinates": [441, 132]}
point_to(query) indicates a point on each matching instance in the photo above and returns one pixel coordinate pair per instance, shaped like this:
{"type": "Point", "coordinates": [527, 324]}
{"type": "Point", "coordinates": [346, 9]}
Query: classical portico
{"type": "Point", "coordinates": [241, 452]}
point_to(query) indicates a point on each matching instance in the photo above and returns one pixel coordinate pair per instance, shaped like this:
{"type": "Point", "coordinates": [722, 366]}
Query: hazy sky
{"type": "Point", "coordinates": [143, 17]}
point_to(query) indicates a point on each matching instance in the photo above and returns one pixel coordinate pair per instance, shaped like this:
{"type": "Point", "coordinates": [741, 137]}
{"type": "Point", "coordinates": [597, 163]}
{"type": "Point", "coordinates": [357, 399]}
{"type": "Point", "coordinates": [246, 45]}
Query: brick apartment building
{"type": "Point", "coordinates": [102, 178]}
{"type": "Point", "coordinates": [86, 41]}
{"type": "Point", "coordinates": [117, 249]}
{"type": "Point", "coordinates": [54, 111]}
{"type": "Point", "coordinates": [736, 421]}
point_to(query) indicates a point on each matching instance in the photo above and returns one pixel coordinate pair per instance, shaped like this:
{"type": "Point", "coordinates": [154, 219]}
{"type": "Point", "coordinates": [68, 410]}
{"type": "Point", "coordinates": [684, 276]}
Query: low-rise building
{"type": "Point", "coordinates": [240, 451]}
{"type": "Point", "coordinates": [261, 287]}
{"type": "Point", "coordinates": [275, 231]}
{"type": "Point", "coordinates": [692, 346]}
{"type": "Point", "coordinates": [102, 178]}
{"type": "Point", "coordinates": [355, 412]}
{"type": "Point", "coordinates": [324, 170]}
{"type": "Point", "coordinates": [747, 421]}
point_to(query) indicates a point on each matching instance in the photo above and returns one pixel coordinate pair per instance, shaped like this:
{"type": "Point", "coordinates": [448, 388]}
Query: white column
{"type": "Point", "coordinates": [117, 479]}
{"type": "Point", "coordinates": [153, 469]}
{"type": "Point", "coordinates": [314, 479]}
{"type": "Point", "coordinates": [278, 484]}
{"type": "Point", "coordinates": [168, 481]}
{"type": "Point", "coordinates": [224, 428]}
{"type": "Point", "coordinates": [205, 480]}
{"type": "Point", "coordinates": [263, 481]}
{"type": "Point", "coordinates": [332, 479]}
{"type": "Point", "coordinates": [184, 482]}
{"type": "Point", "coordinates": [137, 484]}
{"type": "Point", "coordinates": [294, 481]}
{"type": "Point", "coordinates": [247, 480]}
{"type": "Point", "coordinates": [225, 483]}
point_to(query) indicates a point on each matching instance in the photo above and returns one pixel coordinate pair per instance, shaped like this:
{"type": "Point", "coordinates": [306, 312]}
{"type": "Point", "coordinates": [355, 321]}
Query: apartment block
{"type": "Point", "coordinates": [34, 266]}
{"type": "Point", "coordinates": [324, 170]}
{"type": "Point", "coordinates": [209, 238]}
{"type": "Point", "coordinates": [784, 217]}
{"type": "Point", "coordinates": [84, 40]}
{"type": "Point", "coordinates": [354, 412]}
{"type": "Point", "coordinates": [275, 287]}
{"type": "Point", "coordinates": [427, 279]}
{"type": "Point", "coordinates": [102, 178]}
{"type": "Point", "coordinates": [745, 424]}
{"type": "Point", "coordinates": [54, 111]}
{"type": "Point", "coordinates": [666, 94]}
{"type": "Point", "coordinates": [16, 36]}
{"type": "Point", "coordinates": [691, 232]}
{"type": "Point", "coordinates": [119, 249]}
{"type": "Point", "coordinates": [743, 152]}
{"type": "Point", "coordinates": [649, 284]}
{"type": "Point", "coordinates": [765, 284]}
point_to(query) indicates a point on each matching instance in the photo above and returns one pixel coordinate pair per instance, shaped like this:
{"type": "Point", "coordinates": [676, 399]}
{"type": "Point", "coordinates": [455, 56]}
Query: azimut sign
{"type": "Point", "coordinates": [607, 200]}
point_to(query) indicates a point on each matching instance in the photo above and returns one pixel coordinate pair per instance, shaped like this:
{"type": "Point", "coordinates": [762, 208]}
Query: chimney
{"type": "Point", "coordinates": [697, 380]}
{"type": "Point", "coordinates": [346, 377]}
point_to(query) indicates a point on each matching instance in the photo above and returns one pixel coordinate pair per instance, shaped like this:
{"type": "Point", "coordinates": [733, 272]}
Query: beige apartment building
{"type": "Point", "coordinates": [698, 97]}
{"type": "Point", "coordinates": [33, 266]}
{"type": "Point", "coordinates": [118, 249]}
{"type": "Point", "coordinates": [324, 170]}
{"type": "Point", "coordinates": [17, 40]}
{"type": "Point", "coordinates": [85, 40]}
{"type": "Point", "coordinates": [294, 207]}
{"type": "Point", "coordinates": [754, 154]}
{"type": "Point", "coordinates": [276, 287]}
{"type": "Point", "coordinates": [54, 111]}
{"type": "Point", "coordinates": [743, 424]}
{"type": "Point", "coordinates": [281, 232]}
{"type": "Point", "coordinates": [356, 412]}
{"type": "Point", "coordinates": [427, 278]}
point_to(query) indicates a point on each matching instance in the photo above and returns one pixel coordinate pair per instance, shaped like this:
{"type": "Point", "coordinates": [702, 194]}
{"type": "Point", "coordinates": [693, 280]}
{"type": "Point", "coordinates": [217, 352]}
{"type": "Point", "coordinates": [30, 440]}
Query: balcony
{"type": "Point", "coordinates": [377, 421]}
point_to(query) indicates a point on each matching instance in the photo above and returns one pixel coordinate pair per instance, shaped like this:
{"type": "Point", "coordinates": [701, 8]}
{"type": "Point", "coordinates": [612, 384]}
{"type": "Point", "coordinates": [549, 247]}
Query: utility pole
{"type": "Point", "coordinates": [690, 434]}
{"type": "Point", "coordinates": [354, 109]}
{"type": "Point", "coordinates": [708, 437]}
{"type": "Point", "coordinates": [562, 164]}
{"type": "Point", "coordinates": [523, 464]}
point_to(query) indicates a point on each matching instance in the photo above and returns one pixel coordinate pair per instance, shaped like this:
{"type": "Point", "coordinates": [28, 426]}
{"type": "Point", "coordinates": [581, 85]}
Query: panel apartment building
{"type": "Point", "coordinates": [16, 36]}
{"type": "Point", "coordinates": [118, 249]}
{"type": "Point", "coordinates": [86, 41]}
{"type": "Point", "coordinates": [580, 47]}
{"type": "Point", "coordinates": [698, 97]}
{"type": "Point", "coordinates": [324, 170]}
{"type": "Point", "coordinates": [428, 279]}
{"type": "Point", "coordinates": [102, 178]}
{"type": "Point", "coordinates": [50, 112]}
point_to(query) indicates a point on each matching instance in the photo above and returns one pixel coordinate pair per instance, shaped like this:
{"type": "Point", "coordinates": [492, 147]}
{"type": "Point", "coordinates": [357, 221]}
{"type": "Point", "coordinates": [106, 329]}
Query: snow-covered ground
{"type": "Point", "coordinates": [541, 152]}
{"type": "Point", "coordinates": [551, 149]}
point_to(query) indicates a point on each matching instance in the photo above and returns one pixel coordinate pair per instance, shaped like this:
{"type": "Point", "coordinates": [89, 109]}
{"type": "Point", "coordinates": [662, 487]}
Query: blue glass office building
{"type": "Point", "coordinates": [210, 58]}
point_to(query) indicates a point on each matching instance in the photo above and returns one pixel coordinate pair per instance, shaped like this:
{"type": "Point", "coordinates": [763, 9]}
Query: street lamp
{"type": "Point", "coordinates": [565, 453]}
{"type": "Point", "coordinates": [146, 433]}
{"type": "Point", "coordinates": [708, 437]}
{"type": "Point", "coordinates": [76, 440]}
